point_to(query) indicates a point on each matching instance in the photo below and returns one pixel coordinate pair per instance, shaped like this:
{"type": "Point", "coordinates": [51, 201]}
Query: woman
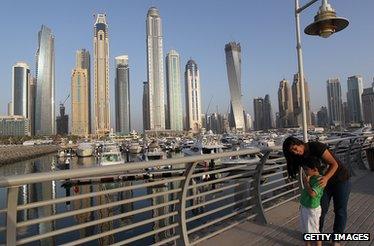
{"type": "Point", "coordinates": [335, 180]}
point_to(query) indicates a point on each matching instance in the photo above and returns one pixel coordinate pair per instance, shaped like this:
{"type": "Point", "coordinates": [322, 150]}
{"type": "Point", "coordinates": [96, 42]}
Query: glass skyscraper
{"type": "Point", "coordinates": [122, 90]}
{"type": "Point", "coordinates": [45, 120]}
{"type": "Point", "coordinates": [334, 101]}
{"type": "Point", "coordinates": [354, 99]}
{"type": "Point", "coordinates": [155, 70]}
{"type": "Point", "coordinates": [233, 65]}
{"type": "Point", "coordinates": [20, 86]}
{"type": "Point", "coordinates": [174, 91]}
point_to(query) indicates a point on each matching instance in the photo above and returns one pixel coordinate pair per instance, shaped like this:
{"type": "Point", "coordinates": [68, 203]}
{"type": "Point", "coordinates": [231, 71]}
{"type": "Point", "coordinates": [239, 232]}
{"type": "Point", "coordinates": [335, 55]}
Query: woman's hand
{"type": "Point", "coordinates": [323, 181]}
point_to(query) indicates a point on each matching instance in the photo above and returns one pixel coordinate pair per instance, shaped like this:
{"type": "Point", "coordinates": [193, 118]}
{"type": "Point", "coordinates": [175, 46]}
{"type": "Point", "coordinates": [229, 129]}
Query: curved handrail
{"type": "Point", "coordinates": [258, 173]}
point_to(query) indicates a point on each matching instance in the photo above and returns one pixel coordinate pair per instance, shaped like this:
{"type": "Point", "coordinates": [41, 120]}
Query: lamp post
{"type": "Point", "coordinates": [325, 23]}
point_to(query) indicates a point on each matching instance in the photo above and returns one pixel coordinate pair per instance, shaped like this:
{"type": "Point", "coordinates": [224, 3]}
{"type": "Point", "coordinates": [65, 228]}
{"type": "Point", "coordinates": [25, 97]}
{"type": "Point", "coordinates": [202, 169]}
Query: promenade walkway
{"type": "Point", "coordinates": [283, 226]}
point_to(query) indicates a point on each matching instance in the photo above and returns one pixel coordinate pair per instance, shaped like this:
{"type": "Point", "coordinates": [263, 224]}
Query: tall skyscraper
{"type": "Point", "coordinates": [345, 113]}
{"type": "Point", "coordinates": [80, 121]}
{"type": "Point", "coordinates": [83, 61]}
{"type": "Point", "coordinates": [354, 98]}
{"type": "Point", "coordinates": [296, 99]}
{"type": "Point", "coordinates": [155, 70]}
{"type": "Point", "coordinates": [20, 86]}
{"type": "Point", "coordinates": [233, 65]}
{"type": "Point", "coordinates": [334, 101]}
{"type": "Point", "coordinates": [258, 109]}
{"type": "Point", "coordinates": [322, 117]}
{"type": "Point", "coordinates": [285, 104]}
{"type": "Point", "coordinates": [145, 106]}
{"type": "Point", "coordinates": [122, 89]}
{"type": "Point", "coordinates": [368, 105]}
{"type": "Point", "coordinates": [10, 108]}
{"type": "Point", "coordinates": [45, 119]}
{"type": "Point", "coordinates": [268, 113]}
{"type": "Point", "coordinates": [31, 104]}
{"type": "Point", "coordinates": [174, 91]}
{"type": "Point", "coordinates": [62, 121]}
{"type": "Point", "coordinates": [193, 96]}
{"type": "Point", "coordinates": [101, 72]}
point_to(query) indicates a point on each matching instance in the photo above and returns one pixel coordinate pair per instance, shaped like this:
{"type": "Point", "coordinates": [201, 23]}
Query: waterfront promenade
{"type": "Point", "coordinates": [283, 226]}
{"type": "Point", "coordinates": [14, 153]}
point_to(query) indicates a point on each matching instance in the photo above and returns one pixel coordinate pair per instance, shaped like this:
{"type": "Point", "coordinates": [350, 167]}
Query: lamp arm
{"type": "Point", "coordinates": [305, 6]}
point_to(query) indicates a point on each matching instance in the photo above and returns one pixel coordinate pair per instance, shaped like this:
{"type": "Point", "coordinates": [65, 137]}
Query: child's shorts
{"type": "Point", "coordinates": [309, 219]}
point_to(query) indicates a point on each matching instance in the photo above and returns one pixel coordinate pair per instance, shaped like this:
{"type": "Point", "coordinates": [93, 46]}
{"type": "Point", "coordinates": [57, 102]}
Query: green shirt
{"type": "Point", "coordinates": [312, 202]}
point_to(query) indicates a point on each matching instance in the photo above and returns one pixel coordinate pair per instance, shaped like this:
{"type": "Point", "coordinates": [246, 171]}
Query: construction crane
{"type": "Point", "coordinates": [62, 103]}
{"type": "Point", "coordinates": [206, 112]}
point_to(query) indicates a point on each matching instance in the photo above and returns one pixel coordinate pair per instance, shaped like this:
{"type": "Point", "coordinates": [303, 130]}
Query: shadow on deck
{"type": "Point", "coordinates": [283, 227]}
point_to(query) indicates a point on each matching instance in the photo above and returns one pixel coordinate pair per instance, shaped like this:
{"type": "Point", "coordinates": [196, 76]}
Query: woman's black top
{"type": "Point", "coordinates": [317, 149]}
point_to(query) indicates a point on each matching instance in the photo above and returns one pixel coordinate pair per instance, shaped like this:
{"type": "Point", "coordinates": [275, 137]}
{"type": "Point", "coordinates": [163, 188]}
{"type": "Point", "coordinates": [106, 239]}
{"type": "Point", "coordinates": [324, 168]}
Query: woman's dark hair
{"type": "Point", "coordinates": [312, 162]}
{"type": "Point", "coordinates": [293, 161]}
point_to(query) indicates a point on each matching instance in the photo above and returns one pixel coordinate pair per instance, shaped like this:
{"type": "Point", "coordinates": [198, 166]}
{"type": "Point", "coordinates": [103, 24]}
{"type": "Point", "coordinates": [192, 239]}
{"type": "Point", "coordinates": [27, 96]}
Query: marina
{"type": "Point", "coordinates": [144, 195]}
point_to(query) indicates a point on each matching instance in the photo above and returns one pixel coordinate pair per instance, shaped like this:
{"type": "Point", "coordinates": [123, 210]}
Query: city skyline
{"type": "Point", "coordinates": [255, 81]}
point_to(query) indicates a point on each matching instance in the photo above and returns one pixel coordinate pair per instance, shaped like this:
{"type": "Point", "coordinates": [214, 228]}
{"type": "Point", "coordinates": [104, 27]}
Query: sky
{"type": "Point", "coordinates": [199, 30]}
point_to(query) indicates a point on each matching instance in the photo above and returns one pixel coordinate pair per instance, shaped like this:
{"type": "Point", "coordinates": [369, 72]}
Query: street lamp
{"type": "Point", "coordinates": [325, 24]}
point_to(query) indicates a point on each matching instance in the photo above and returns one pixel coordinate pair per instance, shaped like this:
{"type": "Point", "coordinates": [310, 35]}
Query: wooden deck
{"type": "Point", "coordinates": [283, 226]}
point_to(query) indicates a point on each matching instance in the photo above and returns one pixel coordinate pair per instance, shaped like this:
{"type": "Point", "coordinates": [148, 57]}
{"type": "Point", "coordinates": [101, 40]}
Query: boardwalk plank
{"type": "Point", "coordinates": [283, 228]}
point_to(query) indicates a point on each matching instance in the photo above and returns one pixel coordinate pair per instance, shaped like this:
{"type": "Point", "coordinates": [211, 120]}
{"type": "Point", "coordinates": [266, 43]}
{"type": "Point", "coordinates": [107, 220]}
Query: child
{"type": "Point", "coordinates": [310, 199]}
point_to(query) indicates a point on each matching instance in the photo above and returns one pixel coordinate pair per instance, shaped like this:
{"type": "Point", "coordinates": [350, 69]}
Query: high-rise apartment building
{"type": "Point", "coordinates": [322, 117]}
{"type": "Point", "coordinates": [101, 74]}
{"type": "Point", "coordinates": [354, 98]}
{"type": "Point", "coordinates": [263, 113]}
{"type": "Point", "coordinates": [174, 91]}
{"type": "Point", "coordinates": [31, 104]}
{"type": "Point", "coordinates": [20, 89]}
{"type": "Point", "coordinates": [285, 104]}
{"type": "Point", "coordinates": [83, 61]}
{"type": "Point", "coordinates": [155, 70]}
{"type": "Point", "coordinates": [193, 96]}
{"type": "Point", "coordinates": [233, 66]}
{"type": "Point", "coordinates": [296, 99]}
{"type": "Point", "coordinates": [368, 105]}
{"type": "Point", "coordinates": [258, 109]}
{"type": "Point", "coordinates": [122, 91]}
{"type": "Point", "coordinates": [268, 113]}
{"type": "Point", "coordinates": [62, 122]}
{"type": "Point", "coordinates": [45, 119]}
{"type": "Point", "coordinates": [145, 106]}
{"type": "Point", "coordinates": [334, 101]}
{"type": "Point", "coordinates": [80, 110]}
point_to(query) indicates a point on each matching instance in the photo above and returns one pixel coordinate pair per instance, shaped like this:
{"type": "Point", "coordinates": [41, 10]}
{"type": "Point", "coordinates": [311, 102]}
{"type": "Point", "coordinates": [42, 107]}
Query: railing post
{"type": "Point", "coordinates": [257, 192]}
{"type": "Point", "coordinates": [361, 153]}
{"type": "Point", "coordinates": [182, 228]}
{"type": "Point", "coordinates": [11, 216]}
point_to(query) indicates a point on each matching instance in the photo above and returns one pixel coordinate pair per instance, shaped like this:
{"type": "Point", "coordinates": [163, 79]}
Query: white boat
{"type": "Point", "coordinates": [85, 150]}
{"type": "Point", "coordinates": [153, 153]}
{"type": "Point", "coordinates": [135, 148]}
{"type": "Point", "coordinates": [250, 161]}
{"type": "Point", "coordinates": [204, 146]}
{"type": "Point", "coordinates": [111, 158]}
{"type": "Point", "coordinates": [111, 155]}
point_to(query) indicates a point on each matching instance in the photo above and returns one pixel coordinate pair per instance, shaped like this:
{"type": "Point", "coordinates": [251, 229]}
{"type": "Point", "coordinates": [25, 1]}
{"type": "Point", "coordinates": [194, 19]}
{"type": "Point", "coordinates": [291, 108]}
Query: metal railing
{"type": "Point", "coordinates": [200, 197]}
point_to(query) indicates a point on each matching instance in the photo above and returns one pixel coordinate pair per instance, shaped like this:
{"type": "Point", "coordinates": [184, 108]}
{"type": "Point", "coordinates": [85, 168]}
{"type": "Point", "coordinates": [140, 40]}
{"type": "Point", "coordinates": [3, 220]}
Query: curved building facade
{"type": "Point", "coordinates": [233, 65]}
{"type": "Point", "coordinates": [45, 120]}
{"type": "Point", "coordinates": [20, 77]}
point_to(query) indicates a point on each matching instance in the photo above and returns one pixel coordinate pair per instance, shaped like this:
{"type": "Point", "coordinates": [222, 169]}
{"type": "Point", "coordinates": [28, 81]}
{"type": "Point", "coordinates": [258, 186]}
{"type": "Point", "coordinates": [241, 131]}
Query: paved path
{"type": "Point", "coordinates": [283, 227]}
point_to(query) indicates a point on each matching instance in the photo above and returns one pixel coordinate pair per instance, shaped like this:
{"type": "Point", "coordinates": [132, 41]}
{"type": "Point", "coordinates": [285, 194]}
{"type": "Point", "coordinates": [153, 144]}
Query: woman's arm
{"type": "Point", "coordinates": [333, 166]}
